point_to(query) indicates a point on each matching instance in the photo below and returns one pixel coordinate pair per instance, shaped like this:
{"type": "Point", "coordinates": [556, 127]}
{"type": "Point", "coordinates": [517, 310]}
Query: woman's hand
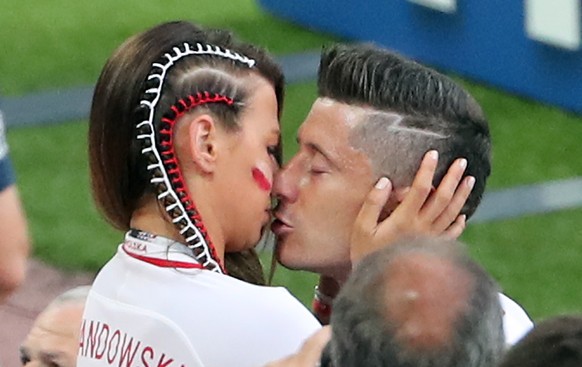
{"type": "Point", "coordinates": [310, 353]}
{"type": "Point", "coordinates": [423, 210]}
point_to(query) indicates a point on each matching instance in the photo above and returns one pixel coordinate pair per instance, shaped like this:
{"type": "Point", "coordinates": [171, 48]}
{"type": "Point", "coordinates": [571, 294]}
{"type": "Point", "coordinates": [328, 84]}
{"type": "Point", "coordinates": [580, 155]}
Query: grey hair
{"type": "Point", "coordinates": [74, 295]}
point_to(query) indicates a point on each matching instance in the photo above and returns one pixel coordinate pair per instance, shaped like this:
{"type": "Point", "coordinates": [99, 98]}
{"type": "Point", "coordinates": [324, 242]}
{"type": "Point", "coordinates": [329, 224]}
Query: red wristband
{"type": "Point", "coordinates": [322, 306]}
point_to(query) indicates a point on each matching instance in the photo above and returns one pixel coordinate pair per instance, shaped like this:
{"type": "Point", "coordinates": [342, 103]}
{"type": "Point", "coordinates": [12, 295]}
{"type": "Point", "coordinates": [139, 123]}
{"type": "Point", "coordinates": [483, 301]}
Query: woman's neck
{"type": "Point", "coordinates": [152, 218]}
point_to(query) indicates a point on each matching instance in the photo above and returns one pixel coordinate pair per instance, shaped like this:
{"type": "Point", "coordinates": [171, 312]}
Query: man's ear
{"type": "Point", "coordinates": [202, 137]}
{"type": "Point", "coordinates": [396, 197]}
{"type": "Point", "coordinates": [399, 194]}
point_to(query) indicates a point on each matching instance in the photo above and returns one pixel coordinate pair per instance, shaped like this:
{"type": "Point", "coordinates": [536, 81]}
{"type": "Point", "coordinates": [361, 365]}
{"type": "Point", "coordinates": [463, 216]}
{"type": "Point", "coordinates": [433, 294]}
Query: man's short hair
{"type": "Point", "coordinates": [420, 302]}
{"type": "Point", "coordinates": [555, 342]}
{"type": "Point", "coordinates": [74, 295]}
{"type": "Point", "coordinates": [411, 109]}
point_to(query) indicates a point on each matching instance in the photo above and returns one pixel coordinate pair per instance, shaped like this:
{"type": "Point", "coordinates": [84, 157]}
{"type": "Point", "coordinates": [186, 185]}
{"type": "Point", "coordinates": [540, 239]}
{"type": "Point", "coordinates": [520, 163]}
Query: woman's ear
{"type": "Point", "coordinates": [202, 136]}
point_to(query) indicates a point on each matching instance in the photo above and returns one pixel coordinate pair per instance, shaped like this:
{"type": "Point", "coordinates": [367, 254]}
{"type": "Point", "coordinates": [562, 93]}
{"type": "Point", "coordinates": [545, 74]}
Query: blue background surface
{"type": "Point", "coordinates": [484, 40]}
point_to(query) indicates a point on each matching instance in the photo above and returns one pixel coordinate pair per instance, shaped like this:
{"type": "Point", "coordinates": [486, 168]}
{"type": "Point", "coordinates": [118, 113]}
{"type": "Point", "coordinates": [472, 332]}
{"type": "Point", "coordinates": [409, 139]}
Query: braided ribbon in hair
{"type": "Point", "coordinates": [158, 148]}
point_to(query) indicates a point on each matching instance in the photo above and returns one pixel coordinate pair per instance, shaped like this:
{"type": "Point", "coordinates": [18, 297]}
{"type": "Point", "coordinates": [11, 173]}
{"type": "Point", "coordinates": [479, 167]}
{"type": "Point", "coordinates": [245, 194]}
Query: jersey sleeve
{"type": "Point", "coordinates": [6, 171]}
{"type": "Point", "coordinates": [516, 322]}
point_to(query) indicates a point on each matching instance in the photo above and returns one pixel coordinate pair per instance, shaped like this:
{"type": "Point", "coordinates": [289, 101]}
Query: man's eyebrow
{"type": "Point", "coordinates": [23, 350]}
{"type": "Point", "coordinates": [24, 355]}
{"type": "Point", "coordinates": [49, 356]}
{"type": "Point", "coordinates": [318, 149]}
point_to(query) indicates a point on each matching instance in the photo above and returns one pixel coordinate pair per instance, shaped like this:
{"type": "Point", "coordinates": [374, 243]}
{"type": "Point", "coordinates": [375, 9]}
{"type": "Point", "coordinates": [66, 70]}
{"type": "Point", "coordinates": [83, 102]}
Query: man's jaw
{"type": "Point", "coordinates": [282, 226]}
{"type": "Point", "coordinates": [316, 263]}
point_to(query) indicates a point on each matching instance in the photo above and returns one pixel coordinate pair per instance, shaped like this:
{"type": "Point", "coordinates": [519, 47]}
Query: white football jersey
{"type": "Point", "coordinates": [516, 322]}
{"type": "Point", "coordinates": [151, 306]}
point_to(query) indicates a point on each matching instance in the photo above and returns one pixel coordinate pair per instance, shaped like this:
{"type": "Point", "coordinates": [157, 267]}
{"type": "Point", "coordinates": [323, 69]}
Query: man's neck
{"type": "Point", "coordinates": [338, 274]}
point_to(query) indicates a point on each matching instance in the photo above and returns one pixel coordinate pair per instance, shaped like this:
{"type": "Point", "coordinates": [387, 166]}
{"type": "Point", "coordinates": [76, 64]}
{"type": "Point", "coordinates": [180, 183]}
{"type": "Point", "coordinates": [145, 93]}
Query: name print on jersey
{"type": "Point", "coordinates": [115, 347]}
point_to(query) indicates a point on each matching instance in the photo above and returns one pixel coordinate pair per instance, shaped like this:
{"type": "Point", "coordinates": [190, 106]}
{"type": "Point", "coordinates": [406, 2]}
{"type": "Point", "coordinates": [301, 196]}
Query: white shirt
{"type": "Point", "coordinates": [143, 315]}
{"type": "Point", "coordinates": [516, 322]}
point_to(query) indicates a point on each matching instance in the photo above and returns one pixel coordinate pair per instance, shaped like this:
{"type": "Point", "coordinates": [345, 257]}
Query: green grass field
{"type": "Point", "coordinates": [64, 43]}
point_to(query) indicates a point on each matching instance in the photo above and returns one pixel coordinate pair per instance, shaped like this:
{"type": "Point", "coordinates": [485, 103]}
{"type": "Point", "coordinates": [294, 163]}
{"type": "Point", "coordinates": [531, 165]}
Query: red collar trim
{"type": "Point", "coordinates": [159, 251]}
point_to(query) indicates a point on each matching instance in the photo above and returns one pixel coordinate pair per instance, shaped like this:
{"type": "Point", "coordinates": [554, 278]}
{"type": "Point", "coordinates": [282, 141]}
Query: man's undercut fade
{"type": "Point", "coordinates": [411, 110]}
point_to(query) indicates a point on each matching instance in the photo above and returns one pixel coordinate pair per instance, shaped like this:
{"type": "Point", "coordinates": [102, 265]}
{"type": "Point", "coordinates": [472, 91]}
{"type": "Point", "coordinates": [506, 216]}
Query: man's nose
{"type": "Point", "coordinates": [285, 185]}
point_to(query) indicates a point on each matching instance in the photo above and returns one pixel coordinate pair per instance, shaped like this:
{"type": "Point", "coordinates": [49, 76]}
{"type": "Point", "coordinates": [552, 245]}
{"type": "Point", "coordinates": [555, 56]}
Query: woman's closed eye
{"type": "Point", "coordinates": [273, 151]}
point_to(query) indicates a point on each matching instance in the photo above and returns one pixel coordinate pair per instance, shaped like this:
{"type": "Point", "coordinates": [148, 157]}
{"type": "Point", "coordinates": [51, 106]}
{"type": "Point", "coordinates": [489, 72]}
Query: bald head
{"type": "Point", "coordinates": [420, 302]}
{"type": "Point", "coordinates": [72, 297]}
{"type": "Point", "coordinates": [54, 336]}
{"type": "Point", "coordinates": [424, 296]}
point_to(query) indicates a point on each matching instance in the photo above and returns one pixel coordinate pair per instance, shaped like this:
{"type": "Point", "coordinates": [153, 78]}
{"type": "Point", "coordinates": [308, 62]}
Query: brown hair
{"type": "Point", "coordinates": [556, 342]}
{"type": "Point", "coordinates": [119, 175]}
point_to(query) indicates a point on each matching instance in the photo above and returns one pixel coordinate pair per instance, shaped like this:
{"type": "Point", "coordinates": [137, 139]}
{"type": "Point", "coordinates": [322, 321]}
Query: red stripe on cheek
{"type": "Point", "coordinates": [261, 180]}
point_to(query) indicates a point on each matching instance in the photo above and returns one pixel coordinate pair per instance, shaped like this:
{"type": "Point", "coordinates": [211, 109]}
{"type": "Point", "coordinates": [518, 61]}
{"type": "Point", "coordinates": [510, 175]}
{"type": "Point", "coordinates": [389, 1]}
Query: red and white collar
{"type": "Point", "coordinates": [159, 251]}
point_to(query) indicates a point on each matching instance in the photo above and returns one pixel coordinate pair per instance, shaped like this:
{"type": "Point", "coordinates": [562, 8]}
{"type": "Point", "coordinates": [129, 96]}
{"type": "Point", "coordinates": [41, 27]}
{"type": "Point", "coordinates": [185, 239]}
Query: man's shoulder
{"type": "Point", "coordinates": [516, 321]}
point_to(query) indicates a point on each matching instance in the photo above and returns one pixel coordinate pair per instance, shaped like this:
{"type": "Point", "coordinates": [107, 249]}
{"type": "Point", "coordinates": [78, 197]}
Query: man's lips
{"type": "Point", "coordinates": [280, 225]}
